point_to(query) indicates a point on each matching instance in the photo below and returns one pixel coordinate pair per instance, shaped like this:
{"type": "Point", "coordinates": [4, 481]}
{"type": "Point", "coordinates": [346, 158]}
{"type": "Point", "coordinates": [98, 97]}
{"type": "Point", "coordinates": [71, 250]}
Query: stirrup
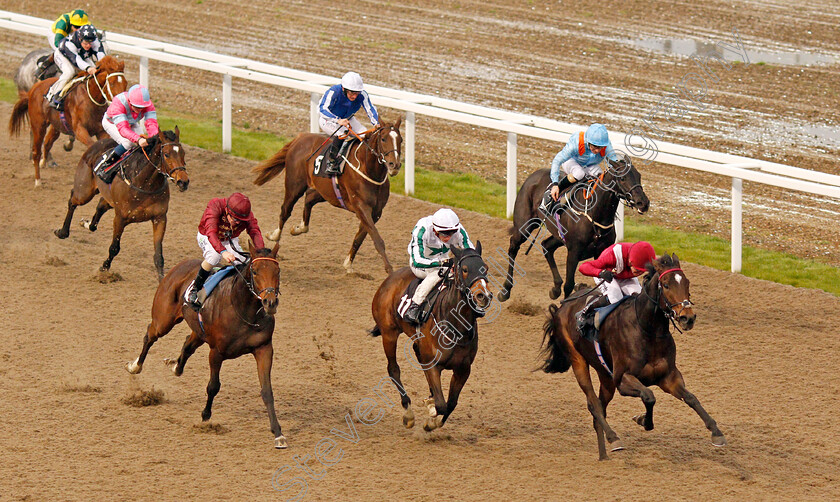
{"type": "Point", "coordinates": [192, 300]}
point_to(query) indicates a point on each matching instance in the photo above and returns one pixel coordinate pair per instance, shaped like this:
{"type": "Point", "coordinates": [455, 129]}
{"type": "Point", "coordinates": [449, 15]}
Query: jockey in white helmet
{"type": "Point", "coordinates": [431, 240]}
{"type": "Point", "coordinates": [337, 108]}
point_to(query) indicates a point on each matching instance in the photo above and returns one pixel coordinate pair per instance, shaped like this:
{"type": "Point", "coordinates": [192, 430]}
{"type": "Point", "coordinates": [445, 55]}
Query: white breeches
{"type": "Point", "coordinates": [114, 133]}
{"type": "Point", "coordinates": [619, 288]}
{"type": "Point", "coordinates": [68, 71]}
{"type": "Point", "coordinates": [579, 172]}
{"type": "Point", "coordinates": [329, 126]}
{"type": "Point", "coordinates": [213, 257]}
{"type": "Point", "coordinates": [431, 278]}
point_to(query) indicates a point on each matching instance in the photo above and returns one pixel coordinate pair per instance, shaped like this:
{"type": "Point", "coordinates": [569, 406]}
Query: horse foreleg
{"type": "Point", "coordinates": [550, 245]}
{"type": "Point", "coordinates": [49, 139]}
{"type": "Point", "coordinates": [593, 404]}
{"type": "Point", "coordinates": [119, 227]}
{"type": "Point", "coordinates": [364, 215]}
{"type": "Point", "coordinates": [354, 248]}
{"type": "Point", "coordinates": [264, 356]}
{"type": "Point", "coordinates": [675, 385]}
{"type": "Point", "coordinates": [214, 384]}
{"type": "Point", "coordinates": [631, 386]}
{"type": "Point", "coordinates": [82, 134]}
{"type": "Point", "coordinates": [190, 345]}
{"type": "Point", "coordinates": [572, 260]}
{"type": "Point", "coordinates": [101, 208]}
{"type": "Point", "coordinates": [389, 344]}
{"type": "Point", "coordinates": [456, 384]}
{"type": "Point", "coordinates": [159, 229]}
{"type": "Point", "coordinates": [433, 377]}
{"type": "Point", "coordinates": [312, 198]}
{"type": "Point", "coordinates": [516, 241]}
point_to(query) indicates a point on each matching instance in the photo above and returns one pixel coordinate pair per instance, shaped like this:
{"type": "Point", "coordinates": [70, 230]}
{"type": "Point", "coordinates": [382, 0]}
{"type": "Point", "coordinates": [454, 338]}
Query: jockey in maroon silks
{"type": "Point", "coordinates": [618, 266]}
{"type": "Point", "coordinates": [218, 237]}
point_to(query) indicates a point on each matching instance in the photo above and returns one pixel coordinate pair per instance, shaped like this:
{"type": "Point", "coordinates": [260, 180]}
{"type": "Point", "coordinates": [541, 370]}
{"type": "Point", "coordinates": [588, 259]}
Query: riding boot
{"type": "Point", "coordinates": [198, 283]}
{"type": "Point", "coordinates": [56, 101]}
{"type": "Point", "coordinates": [586, 317]}
{"type": "Point", "coordinates": [412, 313]}
{"type": "Point", "coordinates": [331, 157]}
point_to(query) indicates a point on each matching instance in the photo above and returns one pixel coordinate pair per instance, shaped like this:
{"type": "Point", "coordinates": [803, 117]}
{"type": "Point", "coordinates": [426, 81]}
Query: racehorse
{"type": "Point", "coordinates": [635, 349]}
{"type": "Point", "coordinates": [141, 193]}
{"type": "Point", "coordinates": [448, 339]}
{"type": "Point", "coordinates": [84, 106]}
{"type": "Point", "coordinates": [25, 78]}
{"type": "Point", "coordinates": [362, 189]}
{"type": "Point", "coordinates": [237, 319]}
{"type": "Point", "coordinates": [586, 226]}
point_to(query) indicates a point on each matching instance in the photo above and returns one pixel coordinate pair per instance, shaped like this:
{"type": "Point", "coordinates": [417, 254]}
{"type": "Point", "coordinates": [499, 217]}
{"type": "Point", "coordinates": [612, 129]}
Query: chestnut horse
{"type": "Point", "coordinates": [448, 340]}
{"type": "Point", "coordinates": [84, 107]}
{"type": "Point", "coordinates": [364, 186]}
{"type": "Point", "coordinates": [635, 349]}
{"type": "Point", "coordinates": [140, 193]}
{"type": "Point", "coordinates": [237, 319]}
{"type": "Point", "coordinates": [586, 226]}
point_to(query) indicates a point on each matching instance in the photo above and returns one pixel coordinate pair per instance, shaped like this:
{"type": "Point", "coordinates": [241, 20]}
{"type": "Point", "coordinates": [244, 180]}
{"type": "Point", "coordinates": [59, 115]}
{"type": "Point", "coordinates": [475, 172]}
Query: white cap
{"type": "Point", "coordinates": [445, 220]}
{"type": "Point", "coordinates": [352, 81]}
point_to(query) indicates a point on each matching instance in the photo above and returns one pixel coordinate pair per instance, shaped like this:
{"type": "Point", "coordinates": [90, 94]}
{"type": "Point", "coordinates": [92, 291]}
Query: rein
{"type": "Point", "coordinates": [669, 313]}
{"type": "Point", "coordinates": [167, 176]}
{"type": "Point", "coordinates": [380, 157]}
{"type": "Point", "coordinates": [624, 197]}
{"type": "Point", "coordinates": [463, 291]}
{"type": "Point", "coordinates": [101, 88]}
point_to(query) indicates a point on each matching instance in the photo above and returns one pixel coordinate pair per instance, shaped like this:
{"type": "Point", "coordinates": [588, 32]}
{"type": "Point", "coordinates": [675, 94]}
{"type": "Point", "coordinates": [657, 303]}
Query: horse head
{"type": "Point", "coordinates": [470, 273]}
{"type": "Point", "coordinates": [172, 165]}
{"type": "Point", "coordinates": [627, 184]}
{"type": "Point", "coordinates": [264, 271]}
{"type": "Point", "coordinates": [387, 145]}
{"type": "Point", "coordinates": [672, 293]}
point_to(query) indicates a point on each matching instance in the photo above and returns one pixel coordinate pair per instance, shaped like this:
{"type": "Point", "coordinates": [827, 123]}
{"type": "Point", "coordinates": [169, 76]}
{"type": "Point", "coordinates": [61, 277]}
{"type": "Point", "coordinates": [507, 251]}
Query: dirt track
{"type": "Point", "coordinates": [761, 360]}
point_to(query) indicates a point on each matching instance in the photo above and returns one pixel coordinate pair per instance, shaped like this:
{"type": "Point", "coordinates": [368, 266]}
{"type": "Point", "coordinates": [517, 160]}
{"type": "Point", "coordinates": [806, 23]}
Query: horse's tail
{"type": "Point", "coordinates": [555, 353]}
{"type": "Point", "coordinates": [19, 114]}
{"type": "Point", "coordinates": [375, 331]}
{"type": "Point", "coordinates": [272, 166]}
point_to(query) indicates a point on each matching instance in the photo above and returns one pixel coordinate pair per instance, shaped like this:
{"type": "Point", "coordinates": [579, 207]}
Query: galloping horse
{"type": "Point", "coordinates": [84, 106]}
{"type": "Point", "coordinates": [141, 193]}
{"type": "Point", "coordinates": [635, 349]}
{"type": "Point", "coordinates": [362, 189]}
{"type": "Point", "coordinates": [447, 340]}
{"type": "Point", "coordinates": [586, 226]}
{"type": "Point", "coordinates": [237, 319]}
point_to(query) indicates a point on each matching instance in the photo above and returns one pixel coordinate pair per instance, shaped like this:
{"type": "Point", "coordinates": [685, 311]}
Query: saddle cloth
{"type": "Point", "coordinates": [426, 306]}
{"type": "Point", "coordinates": [107, 173]}
{"type": "Point", "coordinates": [210, 284]}
{"type": "Point", "coordinates": [320, 169]}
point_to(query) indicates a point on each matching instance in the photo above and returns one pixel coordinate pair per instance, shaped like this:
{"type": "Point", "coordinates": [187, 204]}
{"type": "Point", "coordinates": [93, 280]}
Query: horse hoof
{"type": "Point", "coordinates": [84, 223]}
{"type": "Point", "coordinates": [61, 234]}
{"type": "Point", "coordinates": [718, 440]}
{"type": "Point", "coordinates": [408, 419]}
{"type": "Point", "coordinates": [616, 445]}
{"type": "Point", "coordinates": [554, 293]}
{"type": "Point", "coordinates": [133, 367]}
{"type": "Point", "coordinates": [172, 364]}
{"type": "Point", "coordinates": [205, 415]}
{"type": "Point", "coordinates": [639, 419]}
{"type": "Point", "coordinates": [275, 235]}
{"type": "Point", "coordinates": [298, 229]}
{"type": "Point", "coordinates": [68, 146]}
{"type": "Point", "coordinates": [348, 265]}
{"type": "Point", "coordinates": [430, 405]}
{"type": "Point", "coordinates": [503, 295]}
{"type": "Point", "coordinates": [431, 424]}
{"type": "Point", "coordinates": [280, 442]}
{"type": "Point", "coordinates": [38, 182]}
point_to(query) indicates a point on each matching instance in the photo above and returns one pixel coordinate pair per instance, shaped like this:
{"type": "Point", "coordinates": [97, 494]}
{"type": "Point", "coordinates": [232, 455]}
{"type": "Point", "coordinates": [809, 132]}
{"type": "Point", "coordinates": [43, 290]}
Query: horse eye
{"type": "Point", "coordinates": [665, 286]}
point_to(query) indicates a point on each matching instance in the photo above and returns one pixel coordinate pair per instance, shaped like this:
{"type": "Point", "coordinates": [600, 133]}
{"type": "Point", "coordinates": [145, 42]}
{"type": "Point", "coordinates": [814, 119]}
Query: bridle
{"type": "Point", "coordinates": [379, 156]}
{"type": "Point", "coordinates": [668, 310]}
{"type": "Point", "coordinates": [250, 283]}
{"type": "Point", "coordinates": [102, 89]}
{"type": "Point", "coordinates": [625, 196]}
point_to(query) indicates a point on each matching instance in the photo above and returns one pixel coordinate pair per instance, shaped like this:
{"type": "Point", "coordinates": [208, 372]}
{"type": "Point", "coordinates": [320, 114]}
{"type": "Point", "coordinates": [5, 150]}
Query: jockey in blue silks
{"type": "Point", "coordinates": [337, 108]}
{"type": "Point", "coordinates": [581, 157]}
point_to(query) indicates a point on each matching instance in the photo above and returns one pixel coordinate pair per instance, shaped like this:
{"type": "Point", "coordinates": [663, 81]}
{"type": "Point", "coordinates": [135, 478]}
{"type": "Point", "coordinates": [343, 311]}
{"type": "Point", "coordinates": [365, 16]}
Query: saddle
{"type": "Point", "coordinates": [46, 67]}
{"type": "Point", "coordinates": [427, 305]}
{"type": "Point", "coordinates": [550, 206]}
{"type": "Point", "coordinates": [320, 169]}
{"type": "Point", "coordinates": [107, 172]}
{"type": "Point", "coordinates": [210, 284]}
{"type": "Point", "coordinates": [592, 331]}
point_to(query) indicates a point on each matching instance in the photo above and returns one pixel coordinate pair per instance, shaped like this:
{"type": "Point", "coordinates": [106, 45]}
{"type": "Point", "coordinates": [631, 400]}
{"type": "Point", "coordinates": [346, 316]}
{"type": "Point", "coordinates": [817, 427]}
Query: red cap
{"type": "Point", "coordinates": [641, 254]}
{"type": "Point", "coordinates": [239, 206]}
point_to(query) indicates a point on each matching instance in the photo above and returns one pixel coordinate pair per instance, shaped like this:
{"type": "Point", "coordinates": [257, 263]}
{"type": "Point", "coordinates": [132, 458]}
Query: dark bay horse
{"type": "Point", "coordinates": [448, 340]}
{"type": "Point", "coordinates": [140, 193]}
{"type": "Point", "coordinates": [84, 106]}
{"type": "Point", "coordinates": [237, 319]}
{"type": "Point", "coordinates": [636, 342]}
{"type": "Point", "coordinates": [364, 186]}
{"type": "Point", "coordinates": [586, 226]}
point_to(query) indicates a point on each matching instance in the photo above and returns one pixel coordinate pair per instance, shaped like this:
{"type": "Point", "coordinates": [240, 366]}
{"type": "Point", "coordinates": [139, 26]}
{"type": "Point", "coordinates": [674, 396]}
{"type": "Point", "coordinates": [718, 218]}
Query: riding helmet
{"type": "Point", "coordinates": [445, 220]}
{"type": "Point", "coordinates": [139, 96]}
{"type": "Point", "coordinates": [239, 206]}
{"type": "Point", "coordinates": [79, 18]}
{"type": "Point", "coordinates": [352, 81]}
{"type": "Point", "coordinates": [641, 253]}
{"type": "Point", "coordinates": [597, 135]}
{"type": "Point", "coordinates": [87, 33]}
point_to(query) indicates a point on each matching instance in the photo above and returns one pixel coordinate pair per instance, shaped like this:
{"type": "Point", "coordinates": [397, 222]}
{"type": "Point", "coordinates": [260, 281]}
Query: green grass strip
{"type": "Point", "coordinates": [471, 192]}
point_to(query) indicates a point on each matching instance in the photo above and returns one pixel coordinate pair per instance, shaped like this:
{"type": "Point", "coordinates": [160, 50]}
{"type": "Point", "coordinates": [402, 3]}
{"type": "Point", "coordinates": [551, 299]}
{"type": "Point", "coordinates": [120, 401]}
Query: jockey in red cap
{"type": "Point", "coordinates": [218, 237]}
{"type": "Point", "coordinates": [619, 266]}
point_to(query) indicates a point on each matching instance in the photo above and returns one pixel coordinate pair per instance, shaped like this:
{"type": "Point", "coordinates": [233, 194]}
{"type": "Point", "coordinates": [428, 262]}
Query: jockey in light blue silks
{"type": "Point", "coordinates": [581, 157]}
{"type": "Point", "coordinates": [431, 240]}
{"type": "Point", "coordinates": [337, 108]}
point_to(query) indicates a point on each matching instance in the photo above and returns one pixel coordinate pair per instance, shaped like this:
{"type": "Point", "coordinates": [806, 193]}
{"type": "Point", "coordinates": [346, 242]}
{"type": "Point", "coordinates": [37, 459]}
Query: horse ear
{"type": "Point", "coordinates": [675, 258]}
{"type": "Point", "coordinates": [456, 251]}
{"type": "Point", "coordinates": [275, 249]}
{"type": "Point", "coordinates": [251, 249]}
{"type": "Point", "coordinates": [398, 122]}
{"type": "Point", "coordinates": [177, 132]}
{"type": "Point", "coordinates": [478, 247]}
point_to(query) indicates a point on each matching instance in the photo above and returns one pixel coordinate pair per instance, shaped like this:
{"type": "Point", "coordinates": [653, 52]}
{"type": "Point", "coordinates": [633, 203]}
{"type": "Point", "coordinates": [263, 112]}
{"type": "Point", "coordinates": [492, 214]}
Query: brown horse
{"type": "Point", "coordinates": [364, 186]}
{"type": "Point", "coordinates": [447, 340]}
{"type": "Point", "coordinates": [237, 319]}
{"type": "Point", "coordinates": [635, 349]}
{"type": "Point", "coordinates": [141, 193]}
{"type": "Point", "coordinates": [84, 106]}
{"type": "Point", "coordinates": [586, 226]}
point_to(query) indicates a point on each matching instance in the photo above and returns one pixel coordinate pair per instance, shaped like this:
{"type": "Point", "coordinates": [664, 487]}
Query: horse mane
{"type": "Point", "coordinates": [664, 261]}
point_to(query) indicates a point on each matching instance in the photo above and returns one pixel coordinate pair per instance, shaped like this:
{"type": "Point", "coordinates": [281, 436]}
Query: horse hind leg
{"type": "Point", "coordinates": [101, 208]}
{"type": "Point", "coordinates": [293, 194]}
{"type": "Point", "coordinates": [605, 395]}
{"type": "Point", "coordinates": [190, 345]}
{"type": "Point", "coordinates": [214, 384]}
{"type": "Point", "coordinates": [312, 198]}
{"type": "Point", "coordinates": [631, 386]}
{"type": "Point", "coordinates": [49, 139]}
{"type": "Point", "coordinates": [516, 240]}
{"type": "Point", "coordinates": [389, 344]}
{"type": "Point", "coordinates": [155, 330]}
{"type": "Point", "coordinates": [593, 404]}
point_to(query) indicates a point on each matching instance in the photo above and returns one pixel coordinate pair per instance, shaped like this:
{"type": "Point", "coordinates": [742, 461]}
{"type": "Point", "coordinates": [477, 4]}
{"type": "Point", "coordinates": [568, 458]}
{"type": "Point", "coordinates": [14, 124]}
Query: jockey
{"type": "Point", "coordinates": [619, 266]}
{"type": "Point", "coordinates": [337, 108]}
{"type": "Point", "coordinates": [431, 240]}
{"type": "Point", "coordinates": [74, 53]}
{"type": "Point", "coordinates": [130, 114]}
{"type": "Point", "coordinates": [66, 25]}
{"type": "Point", "coordinates": [218, 237]}
{"type": "Point", "coordinates": [581, 157]}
